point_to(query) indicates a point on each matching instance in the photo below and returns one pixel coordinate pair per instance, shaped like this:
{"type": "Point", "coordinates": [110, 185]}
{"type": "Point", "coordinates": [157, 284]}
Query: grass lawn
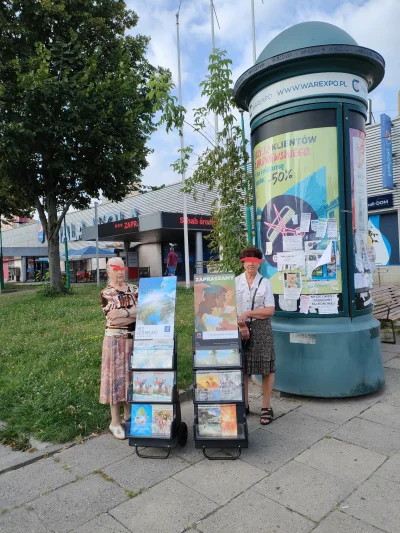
{"type": "Point", "coordinates": [50, 357]}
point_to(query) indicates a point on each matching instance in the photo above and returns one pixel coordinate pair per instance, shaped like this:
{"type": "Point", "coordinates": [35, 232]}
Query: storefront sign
{"type": "Point", "coordinates": [40, 233]}
{"type": "Point", "coordinates": [319, 84]}
{"type": "Point", "coordinates": [119, 228]}
{"type": "Point", "coordinates": [387, 157]}
{"type": "Point", "coordinates": [176, 220]}
{"type": "Point", "coordinates": [380, 202]}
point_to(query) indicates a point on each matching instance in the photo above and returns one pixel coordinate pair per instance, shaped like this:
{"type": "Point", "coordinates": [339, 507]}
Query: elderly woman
{"type": "Point", "coordinates": [255, 306]}
{"type": "Point", "coordinates": [118, 300]}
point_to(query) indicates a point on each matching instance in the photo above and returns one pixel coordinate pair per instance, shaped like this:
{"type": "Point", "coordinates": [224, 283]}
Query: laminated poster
{"type": "Point", "coordinates": [215, 311]}
{"type": "Point", "coordinates": [156, 308]}
{"type": "Point", "coordinates": [219, 386]}
{"type": "Point", "coordinates": [217, 421]}
{"type": "Point", "coordinates": [297, 198]}
{"type": "Point", "coordinates": [152, 386]}
{"type": "Point", "coordinates": [151, 421]}
{"type": "Point", "coordinates": [215, 358]}
{"type": "Point", "coordinates": [292, 285]}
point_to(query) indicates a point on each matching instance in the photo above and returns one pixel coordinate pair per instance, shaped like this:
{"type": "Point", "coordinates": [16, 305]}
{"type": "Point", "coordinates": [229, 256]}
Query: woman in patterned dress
{"type": "Point", "coordinates": [259, 353]}
{"type": "Point", "coordinates": [118, 300]}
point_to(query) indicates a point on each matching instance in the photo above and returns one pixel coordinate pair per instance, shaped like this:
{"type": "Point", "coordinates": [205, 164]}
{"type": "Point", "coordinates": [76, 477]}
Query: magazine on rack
{"type": "Point", "coordinates": [152, 386]}
{"type": "Point", "coordinates": [219, 386]}
{"type": "Point", "coordinates": [217, 421]}
{"type": "Point", "coordinates": [215, 311]}
{"type": "Point", "coordinates": [151, 421]}
{"type": "Point", "coordinates": [156, 309]}
{"type": "Point", "coordinates": [216, 358]}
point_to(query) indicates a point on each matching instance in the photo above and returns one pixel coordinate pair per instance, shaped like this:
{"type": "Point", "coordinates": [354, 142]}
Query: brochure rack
{"type": "Point", "coordinates": [218, 393]}
{"type": "Point", "coordinates": [155, 420]}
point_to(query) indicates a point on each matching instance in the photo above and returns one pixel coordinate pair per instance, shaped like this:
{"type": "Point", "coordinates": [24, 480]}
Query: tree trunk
{"type": "Point", "coordinates": [54, 262]}
{"type": "Point", "coordinates": [53, 244]}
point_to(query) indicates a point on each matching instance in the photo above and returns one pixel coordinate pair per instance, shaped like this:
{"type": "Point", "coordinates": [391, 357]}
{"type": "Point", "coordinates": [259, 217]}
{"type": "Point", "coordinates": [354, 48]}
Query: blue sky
{"type": "Point", "coordinates": [372, 23]}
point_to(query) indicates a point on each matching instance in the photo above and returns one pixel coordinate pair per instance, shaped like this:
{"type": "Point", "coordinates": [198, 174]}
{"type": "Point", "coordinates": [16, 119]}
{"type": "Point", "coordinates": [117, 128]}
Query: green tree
{"type": "Point", "coordinates": [74, 109]}
{"type": "Point", "coordinates": [221, 167]}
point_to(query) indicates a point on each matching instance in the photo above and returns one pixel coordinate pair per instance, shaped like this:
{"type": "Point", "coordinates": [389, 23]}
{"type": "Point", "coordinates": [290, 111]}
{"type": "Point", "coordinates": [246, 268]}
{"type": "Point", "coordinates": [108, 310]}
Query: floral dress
{"type": "Point", "coordinates": [117, 346]}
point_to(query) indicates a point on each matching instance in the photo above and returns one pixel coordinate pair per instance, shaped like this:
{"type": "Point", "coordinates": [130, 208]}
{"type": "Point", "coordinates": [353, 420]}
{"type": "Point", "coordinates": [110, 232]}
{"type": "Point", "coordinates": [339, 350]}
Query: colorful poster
{"type": "Point", "coordinates": [297, 201]}
{"type": "Point", "coordinates": [152, 386]}
{"type": "Point", "coordinates": [151, 421]}
{"type": "Point", "coordinates": [142, 359]}
{"type": "Point", "coordinates": [215, 310]}
{"type": "Point", "coordinates": [359, 202]}
{"type": "Point", "coordinates": [218, 386]}
{"type": "Point", "coordinates": [216, 358]}
{"type": "Point", "coordinates": [217, 421]}
{"type": "Point", "coordinates": [384, 232]}
{"type": "Point", "coordinates": [156, 308]}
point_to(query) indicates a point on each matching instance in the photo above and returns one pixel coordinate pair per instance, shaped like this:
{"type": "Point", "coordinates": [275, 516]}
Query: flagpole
{"type": "Point", "coordinates": [253, 31]}
{"type": "Point", "coordinates": [185, 222]}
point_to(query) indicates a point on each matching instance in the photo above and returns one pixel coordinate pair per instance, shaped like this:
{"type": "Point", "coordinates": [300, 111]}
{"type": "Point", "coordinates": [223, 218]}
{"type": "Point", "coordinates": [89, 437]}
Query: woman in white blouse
{"type": "Point", "coordinates": [255, 306]}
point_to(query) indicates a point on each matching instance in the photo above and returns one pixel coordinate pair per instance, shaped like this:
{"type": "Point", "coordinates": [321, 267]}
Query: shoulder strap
{"type": "Point", "coordinates": [254, 295]}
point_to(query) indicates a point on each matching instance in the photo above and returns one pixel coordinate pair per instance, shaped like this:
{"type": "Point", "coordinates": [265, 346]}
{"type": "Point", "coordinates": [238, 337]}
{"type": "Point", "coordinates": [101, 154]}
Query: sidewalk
{"type": "Point", "coordinates": [322, 466]}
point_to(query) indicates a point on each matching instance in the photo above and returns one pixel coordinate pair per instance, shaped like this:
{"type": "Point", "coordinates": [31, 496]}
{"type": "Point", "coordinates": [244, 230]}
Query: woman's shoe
{"type": "Point", "coordinates": [117, 431]}
{"type": "Point", "coordinates": [267, 416]}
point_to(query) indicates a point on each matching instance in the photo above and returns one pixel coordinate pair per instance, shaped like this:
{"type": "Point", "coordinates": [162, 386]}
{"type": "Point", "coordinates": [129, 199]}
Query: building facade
{"type": "Point", "coordinates": [384, 203]}
{"type": "Point", "coordinates": [140, 228]}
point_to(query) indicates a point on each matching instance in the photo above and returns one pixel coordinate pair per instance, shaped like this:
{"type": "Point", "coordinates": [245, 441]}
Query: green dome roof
{"type": "Point", "coordinates": [304, 35]}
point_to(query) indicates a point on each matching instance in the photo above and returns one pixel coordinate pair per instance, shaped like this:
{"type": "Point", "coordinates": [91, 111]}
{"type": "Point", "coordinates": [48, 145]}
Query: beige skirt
{"type": "Point", "coordinates": [115, 373]}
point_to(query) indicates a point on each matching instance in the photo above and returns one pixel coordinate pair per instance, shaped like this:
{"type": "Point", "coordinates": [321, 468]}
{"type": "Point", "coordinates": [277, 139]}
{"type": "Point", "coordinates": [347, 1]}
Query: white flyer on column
{"type": "Point", "coordinates": [332, 228]}
{"type": "Point", "coordinates": [305, 222]}
{"type": "Point", "coordinates": [321, 228]}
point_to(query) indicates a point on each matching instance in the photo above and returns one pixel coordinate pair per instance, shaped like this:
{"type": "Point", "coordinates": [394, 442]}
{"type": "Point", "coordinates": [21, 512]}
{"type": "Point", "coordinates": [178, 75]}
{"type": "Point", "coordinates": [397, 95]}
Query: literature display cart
{"type": "Point", "coordinates": [219, 406]}
{"type": "Point", "coordinates": [155, 419]}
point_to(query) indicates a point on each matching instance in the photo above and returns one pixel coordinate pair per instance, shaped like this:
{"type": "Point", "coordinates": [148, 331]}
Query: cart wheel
{"type": "Point", "coordinates": [182, 434]}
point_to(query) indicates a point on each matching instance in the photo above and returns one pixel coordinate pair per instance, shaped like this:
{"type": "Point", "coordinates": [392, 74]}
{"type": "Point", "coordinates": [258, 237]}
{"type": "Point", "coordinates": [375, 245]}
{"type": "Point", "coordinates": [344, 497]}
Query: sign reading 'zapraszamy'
{"type": "Point", "coordinates": [319, 84]}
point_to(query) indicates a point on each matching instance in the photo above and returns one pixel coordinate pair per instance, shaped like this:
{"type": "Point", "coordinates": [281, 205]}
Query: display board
{"type": "Point", "coordinates": [215, 312]}
{"type": "Point", "coordinates": [297, 213]}
{"type": "Point", "coordinates": [219, 411]}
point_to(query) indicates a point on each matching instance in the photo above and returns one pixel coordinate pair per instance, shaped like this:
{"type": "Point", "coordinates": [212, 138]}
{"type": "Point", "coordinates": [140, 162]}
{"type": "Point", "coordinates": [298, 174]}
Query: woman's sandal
{"type": "Point", "coordinates": [117, 432]}
{"type": "Point", "coordinates": [267, 416]}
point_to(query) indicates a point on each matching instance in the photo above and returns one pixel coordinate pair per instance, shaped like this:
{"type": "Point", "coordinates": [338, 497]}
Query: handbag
{"type": "Point", "coordinates": [245, 342]}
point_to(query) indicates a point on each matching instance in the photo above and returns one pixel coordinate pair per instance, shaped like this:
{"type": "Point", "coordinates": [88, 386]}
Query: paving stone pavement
{"type": "Point", "coordinates": [326, 466]}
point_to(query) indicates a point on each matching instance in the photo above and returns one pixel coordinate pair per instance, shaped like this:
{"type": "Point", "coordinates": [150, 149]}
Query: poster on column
{"type": "Point", "coordinates": [297, 195]}
{"type": "Point", "coordinates": [363, 246]}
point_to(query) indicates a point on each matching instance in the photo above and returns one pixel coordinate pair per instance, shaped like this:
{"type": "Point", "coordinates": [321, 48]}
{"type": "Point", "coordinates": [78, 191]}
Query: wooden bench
{"type": "Point", "coordinates": [387, 306]}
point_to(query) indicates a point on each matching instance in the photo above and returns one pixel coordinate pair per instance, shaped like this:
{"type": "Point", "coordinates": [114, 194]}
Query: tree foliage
{"type": "Point", "coordinates": [74, 109]}
{"type": "Point", "coordinates": [221, 167]}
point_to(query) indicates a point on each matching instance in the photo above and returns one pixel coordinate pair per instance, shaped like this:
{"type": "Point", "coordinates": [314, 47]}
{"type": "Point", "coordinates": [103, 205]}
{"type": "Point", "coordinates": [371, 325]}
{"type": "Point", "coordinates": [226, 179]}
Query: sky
{"type": "Point", "coordinates": [372, 23]}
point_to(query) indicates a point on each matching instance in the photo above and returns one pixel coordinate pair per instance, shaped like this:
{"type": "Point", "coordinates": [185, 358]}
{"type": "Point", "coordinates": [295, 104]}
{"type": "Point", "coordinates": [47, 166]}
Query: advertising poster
{"type": "Point", "coordinates": [384, 232]}
{"type": "Point", "coordinates": [150, 421]}
{"type": "Point", "coordinates": [297, 214]}
{"type": "Point", "coordinates": [156, 308]}
{"type": "Point", "coordinates": [219, 386]}
{"type": "Point", "coordinates": [215, 311]}
{"type": "Point", "coordinates": [217, 421]}
{"type": "Point", "coordinates": [363, 246]}
{"type": "Point", "coordinates": [152, 386]}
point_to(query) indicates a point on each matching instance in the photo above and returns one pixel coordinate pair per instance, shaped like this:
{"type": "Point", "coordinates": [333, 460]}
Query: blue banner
{"type": "Point", "coordinates": [40, 233]}
{"type": "Point", "coordinates": [387, 159]}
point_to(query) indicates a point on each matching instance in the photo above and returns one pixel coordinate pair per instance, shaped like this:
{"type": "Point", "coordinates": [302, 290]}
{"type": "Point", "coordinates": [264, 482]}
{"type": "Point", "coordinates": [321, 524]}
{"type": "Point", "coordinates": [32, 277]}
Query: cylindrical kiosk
{"type": "Point", "coordinates": [307, 97]}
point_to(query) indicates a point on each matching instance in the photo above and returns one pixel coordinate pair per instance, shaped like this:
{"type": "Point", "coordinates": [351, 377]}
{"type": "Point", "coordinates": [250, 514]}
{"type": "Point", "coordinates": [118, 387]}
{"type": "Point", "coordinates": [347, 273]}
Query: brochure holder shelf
{"type": "Point", "coordinates": [155, 420]}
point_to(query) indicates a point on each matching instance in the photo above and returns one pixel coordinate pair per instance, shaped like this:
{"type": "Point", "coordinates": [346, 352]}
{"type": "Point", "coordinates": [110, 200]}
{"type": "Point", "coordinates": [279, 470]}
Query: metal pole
{"type": "Point", "coordinates": [213, 50]}
{"type": "Point", "coordinates": [185, 224]}
{"type": "Point", "coordinates": [97, 245]}
{"type": "Point", "coordinates": [248, 209]}
{"type": "Point", "coordinates": [66, 257]}
{"type": "Point", "coordinates": [253, 31]}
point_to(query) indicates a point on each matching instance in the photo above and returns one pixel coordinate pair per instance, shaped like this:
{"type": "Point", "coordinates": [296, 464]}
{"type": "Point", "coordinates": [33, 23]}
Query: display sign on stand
{"type": "Point", "coordinates": [219, 410]}
{"type": "Point", "coordinates": [155, 419]}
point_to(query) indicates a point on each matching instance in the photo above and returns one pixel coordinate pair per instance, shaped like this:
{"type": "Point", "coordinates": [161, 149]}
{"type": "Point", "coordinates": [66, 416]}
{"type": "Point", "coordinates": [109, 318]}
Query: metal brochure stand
{"type": "Point", "coordinates": [155, 420]}
{"type": "Point", "coordinates": [218, 394]}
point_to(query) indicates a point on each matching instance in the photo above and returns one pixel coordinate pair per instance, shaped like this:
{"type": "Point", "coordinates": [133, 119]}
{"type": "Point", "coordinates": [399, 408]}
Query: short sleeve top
{"type": "Point", "coordinates": [112, 298]}
{"type": "Point", "coordinates": [244, 294]}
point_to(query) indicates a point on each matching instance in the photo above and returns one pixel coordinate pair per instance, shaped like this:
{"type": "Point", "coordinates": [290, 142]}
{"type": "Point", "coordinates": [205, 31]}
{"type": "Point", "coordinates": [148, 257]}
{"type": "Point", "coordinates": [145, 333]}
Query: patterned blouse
{"type": "Point", "coordinates": [112, 298]}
